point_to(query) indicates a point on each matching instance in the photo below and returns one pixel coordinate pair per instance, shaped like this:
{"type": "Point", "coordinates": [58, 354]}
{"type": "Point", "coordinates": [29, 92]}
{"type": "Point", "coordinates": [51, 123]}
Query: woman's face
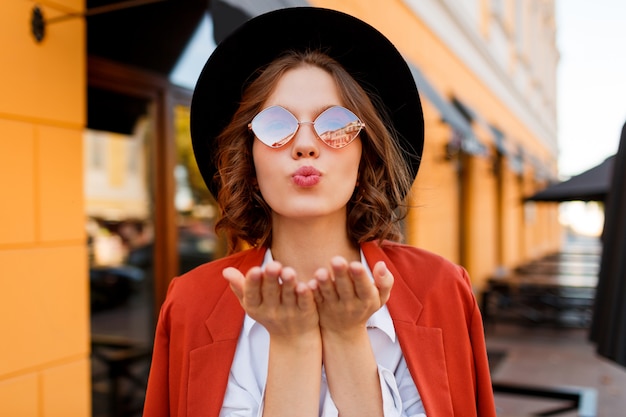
{"type": "Point", "coordinates": [306, 178]}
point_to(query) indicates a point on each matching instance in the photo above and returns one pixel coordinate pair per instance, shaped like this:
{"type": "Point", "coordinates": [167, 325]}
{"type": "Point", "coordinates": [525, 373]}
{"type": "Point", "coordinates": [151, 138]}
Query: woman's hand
{"type": "Point", "coordinates": [346, 297]}
{"type": "Point", "coordinates": [273, 297]}
{"type": "Point", "coordinates": [286, 308]}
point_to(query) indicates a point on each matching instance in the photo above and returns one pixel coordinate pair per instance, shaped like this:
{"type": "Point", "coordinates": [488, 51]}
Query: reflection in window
{"type": "Point", "coordinates": [195, 206]}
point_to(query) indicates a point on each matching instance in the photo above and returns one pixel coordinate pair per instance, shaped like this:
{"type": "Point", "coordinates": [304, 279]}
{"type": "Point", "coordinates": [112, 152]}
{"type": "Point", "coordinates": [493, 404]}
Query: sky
{"type": "Point", "coordinates": [591, 79]}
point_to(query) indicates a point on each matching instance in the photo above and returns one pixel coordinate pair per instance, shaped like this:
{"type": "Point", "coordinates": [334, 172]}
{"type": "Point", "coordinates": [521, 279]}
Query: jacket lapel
{"type": "Point", "coordinates": [209, 365]}
{"type": "Point", "coordinates": [422, 346]}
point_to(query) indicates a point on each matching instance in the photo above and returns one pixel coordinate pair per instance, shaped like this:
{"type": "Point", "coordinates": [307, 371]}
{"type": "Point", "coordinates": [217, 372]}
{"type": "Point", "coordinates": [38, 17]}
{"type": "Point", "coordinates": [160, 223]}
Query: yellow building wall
{"type": "Point", "coordinates": [529, 219]}
{"type": "Point", "coordinates": [44, 307]}
{"type": "Point", "coordinates": [512, 226]}
{"type": "Point", "coordinates": [480, 219]}
{"type": "Point", "coordinates": [485, 244]}
{"type": "Point", "coordinates": [434, 202]}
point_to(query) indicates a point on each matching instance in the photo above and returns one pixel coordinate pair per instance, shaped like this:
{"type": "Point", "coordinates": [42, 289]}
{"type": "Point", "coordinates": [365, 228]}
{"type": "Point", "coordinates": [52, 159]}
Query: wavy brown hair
{"type": "Point", "coordinates": [376, 207]}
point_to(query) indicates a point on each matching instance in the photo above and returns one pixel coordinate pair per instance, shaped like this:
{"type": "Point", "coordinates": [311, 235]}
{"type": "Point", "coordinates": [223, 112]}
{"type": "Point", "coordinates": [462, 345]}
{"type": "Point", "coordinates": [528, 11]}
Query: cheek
{"type": "Point", "coordinates": [346, 176]}
{"type": "Point", "coordinates": [349, 174]}
{"type": "Point", "coordinates": [353, 167]}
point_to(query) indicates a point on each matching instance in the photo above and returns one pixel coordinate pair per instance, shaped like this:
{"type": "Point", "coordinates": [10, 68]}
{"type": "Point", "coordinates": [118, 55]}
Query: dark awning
{"type": "Point", "coordinates": [150, 35]}
{"type": "Point", "coordinates": [449, 114]}
{"type": "Point", "coordinates": [591, 185]}
{"type": "Point", "coordinates": [499, 140]}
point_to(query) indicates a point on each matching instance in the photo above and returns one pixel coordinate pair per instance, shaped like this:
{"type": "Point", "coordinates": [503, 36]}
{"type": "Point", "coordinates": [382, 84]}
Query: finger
{"type": "Point", "coordinates": [288, 288]}
{"type": "Point", "coordinates": [315, 289]}
{"type": "Point", "coordinates": [252, 296]}
{"type": "Point", "coordinates": [363, 286]}
{"type": "Point", "coordinates": [343, 281]}
{"type": "Point", "coordinates": [236, 280]}
{"type": "Point", "coordinates": [325, 285]}
{"type": "Point", "coordinates": [270, 288]}
{"type": "Point", "coordinates": [305, 296]}
{"type": "Point", "coordinates": [383, 278]}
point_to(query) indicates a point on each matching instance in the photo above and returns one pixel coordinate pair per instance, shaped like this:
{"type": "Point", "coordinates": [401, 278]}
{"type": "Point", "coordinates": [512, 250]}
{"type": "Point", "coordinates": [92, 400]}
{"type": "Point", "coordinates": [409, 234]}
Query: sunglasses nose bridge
{"type": "Point", "coordinates": [312, 124]}
{"type": "Point", "coordinates": [305, 142]}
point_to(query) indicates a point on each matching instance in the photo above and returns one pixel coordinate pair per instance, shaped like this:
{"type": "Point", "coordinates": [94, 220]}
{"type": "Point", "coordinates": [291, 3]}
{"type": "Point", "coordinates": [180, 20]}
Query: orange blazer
{"type": "Point", "coordinates": [434, 312]}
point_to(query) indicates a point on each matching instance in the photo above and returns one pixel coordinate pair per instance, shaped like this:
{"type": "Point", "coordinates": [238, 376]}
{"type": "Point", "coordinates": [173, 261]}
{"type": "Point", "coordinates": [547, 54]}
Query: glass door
{"type": "Point", "coordinates": [118, 149]}
{"type": "Point", "coordinates": [196, 209]}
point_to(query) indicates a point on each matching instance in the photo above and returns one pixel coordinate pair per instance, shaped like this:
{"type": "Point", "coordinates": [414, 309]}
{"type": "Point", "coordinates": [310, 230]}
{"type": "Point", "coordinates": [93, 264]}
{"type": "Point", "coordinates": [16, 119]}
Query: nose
{"type": "Point", "coordinates": [305, 142]}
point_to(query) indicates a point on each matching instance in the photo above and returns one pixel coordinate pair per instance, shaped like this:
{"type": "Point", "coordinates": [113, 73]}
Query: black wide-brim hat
{"type": "Point", "coordinates": [367, 55]}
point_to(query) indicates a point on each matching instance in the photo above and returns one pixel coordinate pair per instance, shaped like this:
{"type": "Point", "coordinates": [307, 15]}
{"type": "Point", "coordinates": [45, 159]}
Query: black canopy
{"type": "Point", "coordinates": [608, 328]}
{"type": "Point", "coordinates": [591, 185]}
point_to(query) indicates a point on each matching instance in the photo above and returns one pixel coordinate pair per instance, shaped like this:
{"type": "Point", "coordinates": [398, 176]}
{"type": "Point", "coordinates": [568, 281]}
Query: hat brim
{"type": "Point", "coordinates": [368, 56]}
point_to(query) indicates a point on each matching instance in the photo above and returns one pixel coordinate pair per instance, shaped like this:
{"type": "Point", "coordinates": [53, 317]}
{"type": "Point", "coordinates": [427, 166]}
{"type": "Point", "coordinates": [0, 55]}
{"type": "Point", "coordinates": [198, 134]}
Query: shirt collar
{"type": "Point", "coordinates": [380, 319]}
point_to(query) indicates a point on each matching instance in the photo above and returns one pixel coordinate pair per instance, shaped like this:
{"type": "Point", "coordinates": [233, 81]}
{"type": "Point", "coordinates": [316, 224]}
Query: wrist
{"type": "Point", "coordinates": [302, 341]}
{"type": "Point", "coordinates": [354, 335]}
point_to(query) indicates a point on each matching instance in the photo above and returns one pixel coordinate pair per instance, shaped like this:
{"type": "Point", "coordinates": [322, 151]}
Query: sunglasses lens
{"type": "Point", "coordinates": [337, 127]}
{"type": "Point", "coordinates": [274, 126]}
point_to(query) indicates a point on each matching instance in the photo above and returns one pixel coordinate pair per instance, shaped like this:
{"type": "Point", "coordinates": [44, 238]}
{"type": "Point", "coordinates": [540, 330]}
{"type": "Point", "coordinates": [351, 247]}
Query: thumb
{"type": "Point", "coordinates": [236, 280]}
{"type": "Point", "coordinates": [383, 278]}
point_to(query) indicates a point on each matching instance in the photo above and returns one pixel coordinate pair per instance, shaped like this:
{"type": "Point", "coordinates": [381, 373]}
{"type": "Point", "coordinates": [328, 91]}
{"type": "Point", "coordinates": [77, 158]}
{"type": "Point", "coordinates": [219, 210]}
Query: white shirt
{"type": "Point", "coordinates": [248, 373]}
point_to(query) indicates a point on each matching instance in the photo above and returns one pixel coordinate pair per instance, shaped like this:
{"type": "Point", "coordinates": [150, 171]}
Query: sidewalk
{"type": "Point", "coordinates": [552, 357]}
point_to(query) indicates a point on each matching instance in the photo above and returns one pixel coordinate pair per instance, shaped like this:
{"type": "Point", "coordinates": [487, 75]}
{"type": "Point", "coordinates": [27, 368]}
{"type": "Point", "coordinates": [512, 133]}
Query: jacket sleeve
{"type": "Point", "coordinates": [485, 404]}
{"type": "Point", "coordinates": [157, 402]}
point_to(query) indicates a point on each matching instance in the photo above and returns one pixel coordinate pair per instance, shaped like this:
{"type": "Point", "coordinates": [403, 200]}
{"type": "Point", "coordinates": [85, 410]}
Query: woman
{"type": "Point", "coordinates": [310, 162]}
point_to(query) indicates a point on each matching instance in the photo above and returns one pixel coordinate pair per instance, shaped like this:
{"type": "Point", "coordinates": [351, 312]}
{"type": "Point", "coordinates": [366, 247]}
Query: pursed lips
{"type": "Point", "coordinates": [306, 176]}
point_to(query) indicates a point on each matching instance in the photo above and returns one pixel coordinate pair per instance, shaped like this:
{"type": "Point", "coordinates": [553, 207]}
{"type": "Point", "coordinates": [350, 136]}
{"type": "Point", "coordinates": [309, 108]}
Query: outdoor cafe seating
{"type": "Point", "coordinates": [556, 290]}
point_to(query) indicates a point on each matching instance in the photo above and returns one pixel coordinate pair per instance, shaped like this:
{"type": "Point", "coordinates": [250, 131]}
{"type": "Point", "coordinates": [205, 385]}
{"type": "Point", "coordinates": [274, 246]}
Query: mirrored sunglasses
{"type": "Point", "coordinates": [336, 126]}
